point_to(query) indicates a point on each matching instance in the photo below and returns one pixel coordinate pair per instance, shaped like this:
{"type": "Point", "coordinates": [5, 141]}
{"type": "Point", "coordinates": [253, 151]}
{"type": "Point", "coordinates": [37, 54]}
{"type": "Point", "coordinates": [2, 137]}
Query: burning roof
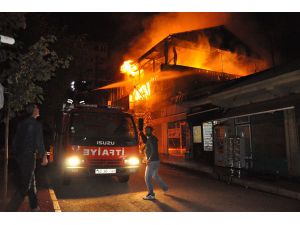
{"type": "Point", "coordinates": [186, 61]}
{"type": "Point", "coordinates": [218, 37]}
{"type": "Point", "coordinates": [214, 48]}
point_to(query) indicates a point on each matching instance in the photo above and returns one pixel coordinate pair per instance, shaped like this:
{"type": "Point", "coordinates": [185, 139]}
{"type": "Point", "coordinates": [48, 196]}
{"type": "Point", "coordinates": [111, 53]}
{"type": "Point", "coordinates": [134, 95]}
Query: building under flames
{"type": "Point", "coordinates": [196, 90]}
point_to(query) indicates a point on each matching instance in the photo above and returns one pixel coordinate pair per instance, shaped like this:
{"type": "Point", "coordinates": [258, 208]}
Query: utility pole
{"type": "Point", "coordinates": [6, 149]}
{"type": "Point", "coordinates": [9, 41]}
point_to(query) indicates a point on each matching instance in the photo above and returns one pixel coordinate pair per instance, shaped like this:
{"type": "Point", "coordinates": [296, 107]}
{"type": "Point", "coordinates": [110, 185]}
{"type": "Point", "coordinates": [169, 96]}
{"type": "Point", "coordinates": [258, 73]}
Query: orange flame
{"type": "Point", "coordinates": [141, 91]}
{"type": "Point", "coordinates": [210, 58]}
{"type": "Point", "coordinates": [129, 68]}
{"type": "Point", "coordinates": [161, 25]}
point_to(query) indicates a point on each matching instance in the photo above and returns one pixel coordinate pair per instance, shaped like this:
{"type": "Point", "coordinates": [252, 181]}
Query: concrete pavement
{"type": "Point", "coordinates": [279, 187]}
{"type": "Point", "coordinates": [188, 192]}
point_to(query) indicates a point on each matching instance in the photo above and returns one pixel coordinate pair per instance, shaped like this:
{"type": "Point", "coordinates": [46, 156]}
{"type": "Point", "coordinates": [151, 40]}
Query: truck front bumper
{"type": "Point", "coordinates": [91, 171]}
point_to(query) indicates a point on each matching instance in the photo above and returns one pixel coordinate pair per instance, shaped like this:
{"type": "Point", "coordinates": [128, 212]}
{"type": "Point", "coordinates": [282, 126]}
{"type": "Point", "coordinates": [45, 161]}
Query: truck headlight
{"type": "Point", "coordinates": [132, 161]}
{"type": "Point", "coordinates": [73, 161]}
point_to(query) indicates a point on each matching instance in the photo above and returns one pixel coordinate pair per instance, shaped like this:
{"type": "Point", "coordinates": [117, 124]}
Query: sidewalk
{"type": "Point", "coordinates": [284, 188]}
{"type": "Point", "coordinates": [44, 196]}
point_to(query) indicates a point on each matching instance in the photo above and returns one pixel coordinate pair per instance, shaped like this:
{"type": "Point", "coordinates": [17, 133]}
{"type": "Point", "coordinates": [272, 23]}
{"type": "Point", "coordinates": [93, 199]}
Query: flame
{"type": "Point", "coordinates": [130, 68]}
{"type": "Point", "coordinates": [159, 26]}
{"type": "Point", "coordinates": [141, 91]}
{"type": "Point", "coordinates": [207, 57]}
{"type": "Point", "coordinates": [199, 54]}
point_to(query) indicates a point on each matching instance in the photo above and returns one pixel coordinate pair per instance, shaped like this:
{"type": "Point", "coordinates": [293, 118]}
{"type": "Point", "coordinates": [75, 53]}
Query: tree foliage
{"type": "Point", "coordinates": [11, 23]}
{"type": "Point", "coordinates": [27, 68]}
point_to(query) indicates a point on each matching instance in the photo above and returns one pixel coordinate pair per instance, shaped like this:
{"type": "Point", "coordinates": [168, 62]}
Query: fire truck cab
{"type": "Point", "coordinates": [96, 141]}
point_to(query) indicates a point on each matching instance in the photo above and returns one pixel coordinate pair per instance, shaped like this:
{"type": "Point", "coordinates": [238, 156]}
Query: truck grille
{"type": "Point", "coordinates": [104, 163]}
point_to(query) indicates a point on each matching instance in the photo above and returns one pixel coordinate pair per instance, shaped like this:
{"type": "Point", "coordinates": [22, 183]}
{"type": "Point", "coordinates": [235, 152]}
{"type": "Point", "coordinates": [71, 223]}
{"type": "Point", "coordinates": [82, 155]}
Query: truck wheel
{"type": "Point", "coordinates": [123, 179]}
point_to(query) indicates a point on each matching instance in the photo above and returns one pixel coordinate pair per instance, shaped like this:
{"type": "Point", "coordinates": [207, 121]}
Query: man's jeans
{"type": "Point", "coordinates": [152, 171]}
{"type": "Point", "coordinates": [26, 186]}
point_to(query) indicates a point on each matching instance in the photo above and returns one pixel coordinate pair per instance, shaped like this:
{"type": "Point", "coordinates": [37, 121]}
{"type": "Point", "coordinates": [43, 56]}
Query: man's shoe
{"type": "Point", "coordinates": [149, 197]}
{"type": "Point", "coordinates": [37, 209]}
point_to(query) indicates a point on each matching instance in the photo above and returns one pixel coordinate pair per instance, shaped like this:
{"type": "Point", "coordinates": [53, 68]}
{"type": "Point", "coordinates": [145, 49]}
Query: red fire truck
{"type": "Point", "coordinates": [96, 140]}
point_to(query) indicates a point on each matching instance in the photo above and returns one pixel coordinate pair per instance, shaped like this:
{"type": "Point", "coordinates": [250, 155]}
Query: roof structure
{"type": "Point", "coordinates": [272, 83]}
{"type": "Point", "coordinates": [218, 37]}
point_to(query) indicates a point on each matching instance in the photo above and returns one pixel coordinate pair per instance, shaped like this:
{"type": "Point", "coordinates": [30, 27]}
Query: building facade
{"type": "Point", "coordinates": [216, 118]}
{"type": "Point", "coordinates": [253, 122]}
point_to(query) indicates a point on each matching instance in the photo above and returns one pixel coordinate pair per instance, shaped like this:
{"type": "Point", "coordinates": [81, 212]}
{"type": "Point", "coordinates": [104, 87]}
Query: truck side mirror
{"type": "Point", "coordinates": [141, 124]}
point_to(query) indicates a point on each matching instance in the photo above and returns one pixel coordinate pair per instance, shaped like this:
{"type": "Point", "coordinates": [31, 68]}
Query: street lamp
{"type": "Point", "coordinates": [7, 40]}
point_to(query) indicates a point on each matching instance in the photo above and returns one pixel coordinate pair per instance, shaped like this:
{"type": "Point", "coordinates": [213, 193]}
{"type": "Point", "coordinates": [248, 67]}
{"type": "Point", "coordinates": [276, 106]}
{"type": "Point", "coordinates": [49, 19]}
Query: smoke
{"type": "Point", "coordinates": [247, 27]}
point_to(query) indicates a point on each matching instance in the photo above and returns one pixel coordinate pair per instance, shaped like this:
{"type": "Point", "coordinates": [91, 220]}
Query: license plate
{"type": "Point", "coordinates": [105, 171]}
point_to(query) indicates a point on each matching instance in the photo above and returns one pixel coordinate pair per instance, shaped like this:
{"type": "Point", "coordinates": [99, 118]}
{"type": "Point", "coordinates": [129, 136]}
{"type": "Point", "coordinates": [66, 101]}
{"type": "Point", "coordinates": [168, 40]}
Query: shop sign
{"type": "Point", "coordinates": [197, 134]}
{"type": "Point", "coordinates": [208, 136]}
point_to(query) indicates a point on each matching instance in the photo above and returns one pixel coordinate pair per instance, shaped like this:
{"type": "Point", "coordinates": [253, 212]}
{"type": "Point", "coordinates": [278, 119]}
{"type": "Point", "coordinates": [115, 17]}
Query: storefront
{"type": "Point", "coordinates": [178, 138]}
{"type": "Point", "coordinates": [202, 141]}
{"type": "Point", "coordinates": [172, 131]}
{"type": "Point", "coordinates": [255, 120]}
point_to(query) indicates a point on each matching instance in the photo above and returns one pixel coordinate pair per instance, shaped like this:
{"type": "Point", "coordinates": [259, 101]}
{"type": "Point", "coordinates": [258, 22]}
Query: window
{"type": "Point", "coordinates": [178, 133]}
{"type": "Point", "coordinates": [102, 125]}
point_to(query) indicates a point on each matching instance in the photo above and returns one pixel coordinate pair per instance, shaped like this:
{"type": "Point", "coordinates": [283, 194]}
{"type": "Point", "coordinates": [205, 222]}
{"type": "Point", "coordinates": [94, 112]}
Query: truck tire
{"type": "Point", "coordinates": [123, 179]}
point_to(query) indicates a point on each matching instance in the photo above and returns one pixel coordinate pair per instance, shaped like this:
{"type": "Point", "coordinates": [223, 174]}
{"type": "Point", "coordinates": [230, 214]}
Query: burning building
{"type": "Point", "coordinates": [212, 100]}
{"type": "Point", "coordinates": [156, 84]}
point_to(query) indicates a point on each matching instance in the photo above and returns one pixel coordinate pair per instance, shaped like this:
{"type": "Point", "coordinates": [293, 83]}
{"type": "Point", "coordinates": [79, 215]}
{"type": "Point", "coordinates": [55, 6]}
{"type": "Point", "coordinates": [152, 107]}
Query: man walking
{"type": "Point", "coordinates": [152, 163]}
{"type": "Point", "coordinates": [28, 142]}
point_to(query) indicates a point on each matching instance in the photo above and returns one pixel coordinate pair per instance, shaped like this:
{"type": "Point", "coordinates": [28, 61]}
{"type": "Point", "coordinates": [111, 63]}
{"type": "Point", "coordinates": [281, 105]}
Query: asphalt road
{"type": "Point", "coordinates": [188, 192]}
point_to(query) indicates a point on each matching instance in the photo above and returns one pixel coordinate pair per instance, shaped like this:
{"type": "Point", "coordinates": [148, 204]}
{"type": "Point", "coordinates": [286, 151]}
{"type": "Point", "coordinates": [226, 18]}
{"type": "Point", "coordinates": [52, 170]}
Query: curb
{"type": "Point", "coordinates": [244, 183]}
{"type": "Point", "coordinates": [205, 170]}
{"type": "Point", "coordinates": [267, 188]}
{"type": "Point", "coordinates": [54, 200]}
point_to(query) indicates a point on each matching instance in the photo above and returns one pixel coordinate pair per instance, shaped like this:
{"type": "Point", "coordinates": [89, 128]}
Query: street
{"type": "Point", "coordinates": [188, 192]}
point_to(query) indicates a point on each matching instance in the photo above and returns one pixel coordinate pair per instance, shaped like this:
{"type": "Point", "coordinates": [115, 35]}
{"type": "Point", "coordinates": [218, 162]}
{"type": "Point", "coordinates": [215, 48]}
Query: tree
{"type": "Point", "coordinates": [24, 71]}
{"type": "Point", "coordinates": [27, 72]}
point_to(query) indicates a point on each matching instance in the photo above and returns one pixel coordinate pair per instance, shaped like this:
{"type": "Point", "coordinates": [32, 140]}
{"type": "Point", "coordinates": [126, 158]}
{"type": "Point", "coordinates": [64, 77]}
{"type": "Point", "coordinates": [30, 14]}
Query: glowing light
{"type": "Point", "coordinates": [73, 85]}
{"type": "Point", "coordinates": [133, 161]}
{"type": "Point", "coordinates": [130, 68]}
{"type": "Point", "coordinates": [140, 93]}
{"type": "Point", "coordinates": [7, 40]}
{"type": "Point", "coordinates": [73, 161]}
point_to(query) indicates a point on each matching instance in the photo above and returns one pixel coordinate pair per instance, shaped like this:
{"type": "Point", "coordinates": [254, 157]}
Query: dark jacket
{"type": "Point", "coordinates": [28, 139]}
{"type": "Point", "coordinates": [151, 147]}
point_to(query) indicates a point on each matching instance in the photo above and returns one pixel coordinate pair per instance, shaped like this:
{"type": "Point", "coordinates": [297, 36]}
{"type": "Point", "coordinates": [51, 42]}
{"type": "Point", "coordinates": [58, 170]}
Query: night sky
{"type": "Point", "coordinates": [118, 29]}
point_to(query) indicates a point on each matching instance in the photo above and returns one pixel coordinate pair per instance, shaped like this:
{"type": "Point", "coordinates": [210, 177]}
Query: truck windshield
{"type": "Point", "coordinates": [98, 125]}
